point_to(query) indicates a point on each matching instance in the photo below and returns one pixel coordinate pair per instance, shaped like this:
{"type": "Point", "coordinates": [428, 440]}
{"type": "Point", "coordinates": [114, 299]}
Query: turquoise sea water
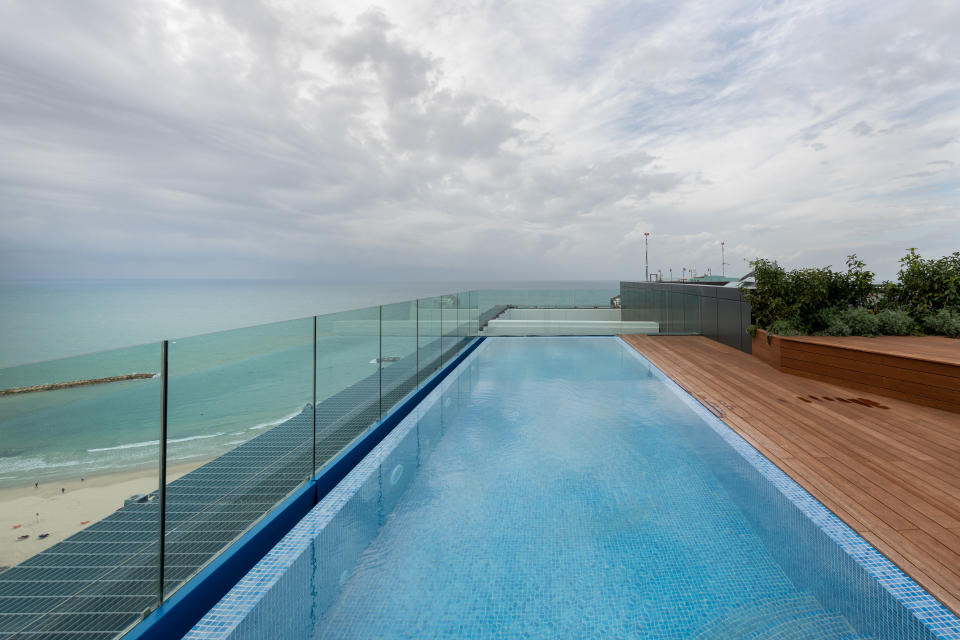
{"type": "Point", "coordinates": [225, 387]}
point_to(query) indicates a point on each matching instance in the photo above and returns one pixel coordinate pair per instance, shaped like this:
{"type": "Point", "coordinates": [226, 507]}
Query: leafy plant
{"type": "Point", "coordinates": [925, 286]}
{"type": "Point", "coordinates": [944, 322]}
{"type": "Point", "coordinates": [861, 322]}
{"type": "Point", "coordinates": [893, 322]}
{"type": "Point", "coordinates": [785, 327]}
{"type": "Point", "coordinates": [799, 297]}
{"type": "Point", "coordinates": [858, 283]}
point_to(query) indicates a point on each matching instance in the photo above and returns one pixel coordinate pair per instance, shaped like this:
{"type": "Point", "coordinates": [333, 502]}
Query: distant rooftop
{"type": "Point", "coordinates": [706, 279]}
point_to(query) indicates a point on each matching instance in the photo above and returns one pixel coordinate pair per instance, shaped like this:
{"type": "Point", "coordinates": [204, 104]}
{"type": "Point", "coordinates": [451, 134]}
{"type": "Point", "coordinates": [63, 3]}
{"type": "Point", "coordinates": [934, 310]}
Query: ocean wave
{"type": "Point", "coordinates": [266, 425]}
{"type": "Point", "coordinates": [134, 445]}
{"type": "Point", "coordinates": [137, 445]}
{"type": "Point", "coordinates": [211, 435]}
{"type": "Point", "coordinates": [33, 463]}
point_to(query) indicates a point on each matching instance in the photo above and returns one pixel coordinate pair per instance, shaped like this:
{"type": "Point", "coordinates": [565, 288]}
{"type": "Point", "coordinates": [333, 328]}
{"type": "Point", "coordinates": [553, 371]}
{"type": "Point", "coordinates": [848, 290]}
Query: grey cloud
{"type": "Point", "coordinates": [460, 125]}
{"type": "Point", "coordinates": [204, 143]}
{"type": "Point", "coordinates": [404, 72]}
{"type": "Point", "coordinates": [275, 139]}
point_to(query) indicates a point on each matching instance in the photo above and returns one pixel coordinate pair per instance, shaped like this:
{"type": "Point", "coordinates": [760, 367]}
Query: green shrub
{"type": "Point", "coordinates": [861, 322]}
{"type": "Point", "coordinates": [925, 286]}
{"type": "Point", "coordinates": [893, 322]}
{"type": "Point", "coordinates": [785, 327]}
{"type": "Point", "coordinates": [943, 323]}
{"type": "Point", "coordinates": [799, 297]}
{"type": "Point", "coordinates": [836, 327]}
{"type": "Point", "coordinates": [827, 316]}
{"type": "Point", "coordinates": [820, 300]}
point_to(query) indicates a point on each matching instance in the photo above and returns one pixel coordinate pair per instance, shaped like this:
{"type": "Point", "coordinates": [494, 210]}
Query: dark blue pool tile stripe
{"type": "Point", "coordinates": [241, 601]}
{"type": "Point", "coordinates": [933, 615]}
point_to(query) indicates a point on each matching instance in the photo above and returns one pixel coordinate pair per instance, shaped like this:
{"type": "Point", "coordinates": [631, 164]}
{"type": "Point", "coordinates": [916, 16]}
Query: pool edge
{"type": "Point", "coordinates": [930, 612]}
{"type": "Point", "coordinates": [177, 615]}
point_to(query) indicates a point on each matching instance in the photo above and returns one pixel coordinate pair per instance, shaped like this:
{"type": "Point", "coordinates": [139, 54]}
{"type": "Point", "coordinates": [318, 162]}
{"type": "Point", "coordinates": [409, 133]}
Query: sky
{"type": "Point", "coordinates": [460, 139]}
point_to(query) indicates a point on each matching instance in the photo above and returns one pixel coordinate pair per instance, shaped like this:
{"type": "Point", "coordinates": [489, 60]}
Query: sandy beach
{"type": "Point", "coordinates": [61, 514]}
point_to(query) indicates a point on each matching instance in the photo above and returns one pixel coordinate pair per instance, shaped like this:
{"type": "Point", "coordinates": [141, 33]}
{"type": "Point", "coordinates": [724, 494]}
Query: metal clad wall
{"type": "Point", "coordinates": [746, 344]}
{"type": "Point", "coordinates": [708, 316]}
{"type": "Point", "coordinates": [728, 322]}
{"type": "Point", "coordinates": [718, 313]}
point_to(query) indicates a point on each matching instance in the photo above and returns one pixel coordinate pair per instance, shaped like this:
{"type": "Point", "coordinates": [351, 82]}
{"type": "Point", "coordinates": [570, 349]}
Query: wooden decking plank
{"type": "Point", "coordinates": [945, 388]}
{"type": "Point", "coordinates": [852, 384]}
{"type": "Point", "coordinates": [938, 375]}
{"type": "Point", "coordinates": [924, 457]}
{"type": "Point", "coordinates": [937, 572]}
{"type": "Point", "coordinates": [818, 416]}
{"type": "Point", "coordinates": [921, 512]}
{"type": "Point", "coordinates": [893, 553]}
{"type": "Point", "coordinates": [891, 474]}
{"type": "Point", "coordinates": [932, 348]}
{"type": "Point", "coordinates": [948, 557]}
{"type": "Point", "coordinates": [793, 344]}
{"type": "Point", "coordinates": [948, 487]}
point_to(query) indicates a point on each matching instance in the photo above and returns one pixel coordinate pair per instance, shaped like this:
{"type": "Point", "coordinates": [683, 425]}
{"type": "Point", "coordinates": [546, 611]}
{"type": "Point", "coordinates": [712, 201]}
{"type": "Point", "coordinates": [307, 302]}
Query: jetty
{"type": "Point", "coordinates": [53, 386]}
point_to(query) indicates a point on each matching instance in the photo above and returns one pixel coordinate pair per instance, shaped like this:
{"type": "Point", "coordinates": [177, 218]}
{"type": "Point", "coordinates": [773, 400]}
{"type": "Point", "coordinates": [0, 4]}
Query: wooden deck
{"type": "Point", "coordinates": [923, 370]}
{"type": "Point", "coordinates": [889, 469]}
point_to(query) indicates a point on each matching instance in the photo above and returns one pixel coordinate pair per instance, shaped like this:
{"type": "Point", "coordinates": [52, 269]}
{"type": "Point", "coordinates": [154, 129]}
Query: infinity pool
{"type": "Point", "coordinates": [562, 488]}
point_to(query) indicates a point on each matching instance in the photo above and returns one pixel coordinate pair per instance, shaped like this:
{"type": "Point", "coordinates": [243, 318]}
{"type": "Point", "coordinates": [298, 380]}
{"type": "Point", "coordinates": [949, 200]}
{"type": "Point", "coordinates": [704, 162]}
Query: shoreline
{"type": "Point", "coordinates": [61, 514]}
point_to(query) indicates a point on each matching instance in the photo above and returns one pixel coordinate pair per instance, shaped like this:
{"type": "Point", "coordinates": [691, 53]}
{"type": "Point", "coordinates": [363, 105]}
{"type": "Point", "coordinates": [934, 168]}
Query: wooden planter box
{"type": "Point", "coordinates": [927, 374]}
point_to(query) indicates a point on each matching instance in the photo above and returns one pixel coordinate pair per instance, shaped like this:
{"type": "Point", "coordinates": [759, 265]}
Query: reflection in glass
{"type": "Point", "coordinates": [239, 409]}
{"type": "Point", "coordinates": [428, 337]}
{"type": "Point", "coordinates": [348, 378]}
{"type": "Point", "coordinates": [398, 348]}
{"type": "Point", "coordinates": [79, 445]}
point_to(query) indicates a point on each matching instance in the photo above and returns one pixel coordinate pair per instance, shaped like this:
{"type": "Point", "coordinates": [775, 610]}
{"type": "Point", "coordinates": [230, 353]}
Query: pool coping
{"type": "Point", "coordinates": [931, 613]}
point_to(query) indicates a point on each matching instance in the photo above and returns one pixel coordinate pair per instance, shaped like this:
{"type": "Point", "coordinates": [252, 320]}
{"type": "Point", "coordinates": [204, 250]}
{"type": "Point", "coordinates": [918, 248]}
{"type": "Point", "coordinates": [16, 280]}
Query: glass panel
{"type": "Point", "coordinates": [428, 337]}
{"type": "Point", "coordinates": [79, 460]}
{"type": "Point", "coordinates": [594, 298]}
{"type": "Point", "coordinates": [536, 298]}
{"type": "Point", "coordinates": [399, 354]}
{"type": "Point", "coordinates": [348, 378]}
{"type": "Point", "coordinates": [474, 313]}
{"type": "Point", "coordinates": [448, 326]}
{"type": "Point", "coordinates": [240, 426]}
{"type": "Point", "coordinates": [463, 317]}
{"type": "Point", "coordinates": [489, 307]}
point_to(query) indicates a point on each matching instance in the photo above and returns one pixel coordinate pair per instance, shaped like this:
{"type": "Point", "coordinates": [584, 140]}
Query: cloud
{"type": "Point", "coordinates": [529, 140]}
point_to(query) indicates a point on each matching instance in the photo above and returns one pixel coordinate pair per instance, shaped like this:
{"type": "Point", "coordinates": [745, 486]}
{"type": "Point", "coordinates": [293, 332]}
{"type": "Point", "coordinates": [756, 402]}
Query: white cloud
{"type": "Point", "coordinates": [509, 139]}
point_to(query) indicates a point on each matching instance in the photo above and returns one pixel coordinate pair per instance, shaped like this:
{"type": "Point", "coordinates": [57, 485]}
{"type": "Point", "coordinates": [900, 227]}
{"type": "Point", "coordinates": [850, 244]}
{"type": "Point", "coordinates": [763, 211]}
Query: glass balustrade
{"type": "Point", "coordinates": [249, 416]}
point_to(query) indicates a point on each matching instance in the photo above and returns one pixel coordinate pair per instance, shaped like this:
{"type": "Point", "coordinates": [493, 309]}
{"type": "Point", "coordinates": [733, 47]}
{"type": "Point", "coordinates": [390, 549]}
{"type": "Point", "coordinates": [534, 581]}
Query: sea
{"type": "Point", "coordinates": [240, 361]}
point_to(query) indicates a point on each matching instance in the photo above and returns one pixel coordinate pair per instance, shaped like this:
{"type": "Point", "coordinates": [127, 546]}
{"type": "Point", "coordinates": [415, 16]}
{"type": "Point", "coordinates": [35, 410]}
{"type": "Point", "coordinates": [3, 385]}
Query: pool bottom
{"type": "Point", "coordinates": [549, 530]}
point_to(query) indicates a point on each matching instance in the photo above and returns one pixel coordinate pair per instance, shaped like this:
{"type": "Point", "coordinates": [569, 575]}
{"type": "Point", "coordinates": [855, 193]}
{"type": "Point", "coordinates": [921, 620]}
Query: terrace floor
{"type": "Point", "coordinates": [889, 469]}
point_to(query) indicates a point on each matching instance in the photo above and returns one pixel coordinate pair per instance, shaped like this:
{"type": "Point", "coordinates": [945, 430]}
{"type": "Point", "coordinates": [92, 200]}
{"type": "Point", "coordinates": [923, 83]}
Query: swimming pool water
{"type": "Point", "coordinates": [567, 498]}
{"type": "Point", "coordinates": [565, 488]}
